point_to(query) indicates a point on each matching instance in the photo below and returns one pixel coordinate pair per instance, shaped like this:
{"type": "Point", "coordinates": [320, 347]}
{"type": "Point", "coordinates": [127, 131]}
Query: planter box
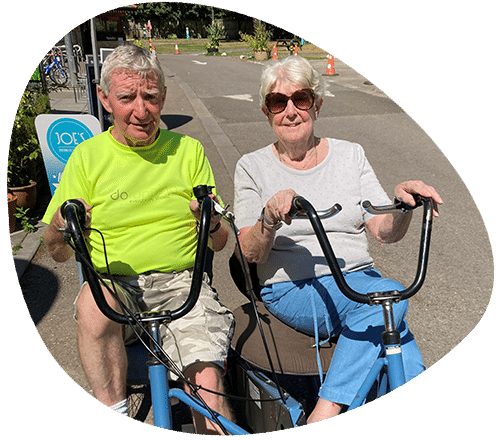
{"type": "Point", "coordinates": [26, 195]}
{"type": "Point", "coordinates": [12, 203]}
{"type": "Point", "coordinates": [261, 55]}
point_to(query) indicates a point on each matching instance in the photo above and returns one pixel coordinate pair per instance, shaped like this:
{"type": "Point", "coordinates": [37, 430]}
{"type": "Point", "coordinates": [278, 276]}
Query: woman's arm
{"type": "Point", "coordinates": [390, 228]}
{"type": "Point", "coordinates": [257, 240]}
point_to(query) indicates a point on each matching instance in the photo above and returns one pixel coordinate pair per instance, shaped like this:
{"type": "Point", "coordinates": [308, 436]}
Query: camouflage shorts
{"type": "Point", "coordinates": [203, 335]}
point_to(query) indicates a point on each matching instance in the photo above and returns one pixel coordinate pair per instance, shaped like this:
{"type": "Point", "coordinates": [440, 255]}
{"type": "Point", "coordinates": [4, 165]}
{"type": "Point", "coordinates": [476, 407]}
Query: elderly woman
{"type": "Point", "coordinates": [298, 287]}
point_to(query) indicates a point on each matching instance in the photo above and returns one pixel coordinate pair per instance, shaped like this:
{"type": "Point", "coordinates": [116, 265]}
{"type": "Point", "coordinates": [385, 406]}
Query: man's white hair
{"type": "Point", "coordinates": [130, 58]}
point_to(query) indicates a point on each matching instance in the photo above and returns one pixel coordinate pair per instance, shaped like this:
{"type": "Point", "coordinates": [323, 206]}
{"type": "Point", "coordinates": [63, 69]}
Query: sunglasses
{"type": "Point", "coordinates": [302, 99]}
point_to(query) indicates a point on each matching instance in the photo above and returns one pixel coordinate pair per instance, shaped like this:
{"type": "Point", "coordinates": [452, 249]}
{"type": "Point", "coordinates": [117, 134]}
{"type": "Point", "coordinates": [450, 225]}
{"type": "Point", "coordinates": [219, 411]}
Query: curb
{"type": "Point", "coordinates": [30, 243]}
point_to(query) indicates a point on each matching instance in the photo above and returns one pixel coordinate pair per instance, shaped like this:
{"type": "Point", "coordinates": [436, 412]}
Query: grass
{"type": "Point", "coordinates": [232, 48]}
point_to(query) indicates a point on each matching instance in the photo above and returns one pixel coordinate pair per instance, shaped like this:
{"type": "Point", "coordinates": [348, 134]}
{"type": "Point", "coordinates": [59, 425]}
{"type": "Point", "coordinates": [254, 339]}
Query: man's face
{"type": "Point", "coordinates": [135, 103]}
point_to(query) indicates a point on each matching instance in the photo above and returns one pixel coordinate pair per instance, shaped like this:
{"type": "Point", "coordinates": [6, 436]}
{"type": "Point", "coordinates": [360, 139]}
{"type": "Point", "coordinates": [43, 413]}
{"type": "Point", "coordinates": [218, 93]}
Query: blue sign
{"type": "Point", "coordinates": [64, 135]}
{"type": "Point", "coordinates": [59, 136]}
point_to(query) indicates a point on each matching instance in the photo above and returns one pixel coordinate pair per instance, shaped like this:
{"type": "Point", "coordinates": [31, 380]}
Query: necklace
{"type": "Point", "coordinates": [306, 161]}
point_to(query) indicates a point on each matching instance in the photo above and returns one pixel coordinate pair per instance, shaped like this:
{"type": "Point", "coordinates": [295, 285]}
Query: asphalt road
{"type": "Point", "coordinates": [215, 100]}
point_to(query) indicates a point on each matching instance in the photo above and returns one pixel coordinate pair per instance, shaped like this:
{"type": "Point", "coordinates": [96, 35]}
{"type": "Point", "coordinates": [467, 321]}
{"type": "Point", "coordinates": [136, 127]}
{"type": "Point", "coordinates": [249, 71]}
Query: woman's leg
{"type": "Point", "coordinates": [359, 327]}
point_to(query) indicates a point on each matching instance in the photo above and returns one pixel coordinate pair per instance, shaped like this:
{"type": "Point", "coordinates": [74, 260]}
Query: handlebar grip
{"type": "Point", "coordinates": [79, 208]}
{"type": "Point", "coordinates": [296, 208]}
{"type": "Point", "coordinates": [202, 191]}
{"type": "Point", "coordinates": [200, 258]}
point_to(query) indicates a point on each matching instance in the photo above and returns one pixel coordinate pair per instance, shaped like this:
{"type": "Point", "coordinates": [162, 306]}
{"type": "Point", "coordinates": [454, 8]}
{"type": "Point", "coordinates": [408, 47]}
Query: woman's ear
{"type": "Point", "coordinates": [317, 107]}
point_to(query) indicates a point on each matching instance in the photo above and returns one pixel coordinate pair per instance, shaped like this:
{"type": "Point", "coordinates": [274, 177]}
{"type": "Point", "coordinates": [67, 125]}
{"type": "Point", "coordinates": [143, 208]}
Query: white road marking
{"type": "Point", "coordinates": [244, 97]}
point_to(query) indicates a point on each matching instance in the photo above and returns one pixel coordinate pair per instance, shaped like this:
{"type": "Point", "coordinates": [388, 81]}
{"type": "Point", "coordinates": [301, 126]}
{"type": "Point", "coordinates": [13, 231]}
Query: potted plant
{"type": "Point", "coordinates": [216, 32]}
{"type": "Point", "coordinates": [25, 163]}
{"type": "Point", "coordinates": [260, 41]}
{"type": "Point", "coordinates": [12, 204]}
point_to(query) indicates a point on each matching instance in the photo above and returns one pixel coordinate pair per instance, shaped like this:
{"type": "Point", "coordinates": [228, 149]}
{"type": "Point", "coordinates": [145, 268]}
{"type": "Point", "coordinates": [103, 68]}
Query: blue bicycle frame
{"type": "Point", "coordinates": [56, 63]}
{"type": "Point", "coordinates": [392, 361]}
{"type": "Point", "coordinates": [161, 394]}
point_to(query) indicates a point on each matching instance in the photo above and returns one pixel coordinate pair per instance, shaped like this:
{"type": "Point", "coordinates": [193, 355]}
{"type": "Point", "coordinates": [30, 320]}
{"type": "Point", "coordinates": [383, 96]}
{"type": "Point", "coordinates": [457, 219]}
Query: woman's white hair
{"type": "Point", "coordinates": [295, 70]}
{"type": "Point", "coordinates": [130, 58]}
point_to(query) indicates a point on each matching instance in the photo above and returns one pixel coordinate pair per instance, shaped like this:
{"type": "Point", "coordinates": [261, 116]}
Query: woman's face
{"type": "Point", "coordinates": [292, 125]}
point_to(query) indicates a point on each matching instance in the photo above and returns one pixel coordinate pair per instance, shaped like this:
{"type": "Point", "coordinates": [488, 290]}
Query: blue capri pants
{"type": "Point", "coordinates": [317, 307]}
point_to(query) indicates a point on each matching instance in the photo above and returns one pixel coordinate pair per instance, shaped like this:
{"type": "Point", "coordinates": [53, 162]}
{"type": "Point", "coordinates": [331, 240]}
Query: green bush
{"type": "Point", "coordinates": [261, 38]}
{"type": "Point", "coordinates": [216, 32]}
{"type": "Point", "coordinates": [25, 155]}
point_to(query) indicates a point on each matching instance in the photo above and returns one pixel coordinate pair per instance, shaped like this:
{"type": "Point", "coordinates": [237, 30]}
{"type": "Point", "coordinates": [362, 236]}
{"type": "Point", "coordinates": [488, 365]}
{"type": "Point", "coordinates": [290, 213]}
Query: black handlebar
{"type": "Point", "coordinates": [397, 207]}
{"type": "Point", "coordinates": [373, 298]}
{"type": "Point", "coordinates": [296, 211]}
{"type": "Point", "coordinates": [73, 211]}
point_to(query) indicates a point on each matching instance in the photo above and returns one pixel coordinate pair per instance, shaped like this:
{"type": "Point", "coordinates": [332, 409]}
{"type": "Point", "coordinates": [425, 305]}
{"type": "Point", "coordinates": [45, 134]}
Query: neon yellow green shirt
{"type": "Point", "coordinates": [140, 198]}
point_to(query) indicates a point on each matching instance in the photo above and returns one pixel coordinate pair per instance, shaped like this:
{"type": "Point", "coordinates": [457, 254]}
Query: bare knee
{"type": "Point", "coordinates": [206, 374]}
{"type": "Point", "coordinates": [90, 318]}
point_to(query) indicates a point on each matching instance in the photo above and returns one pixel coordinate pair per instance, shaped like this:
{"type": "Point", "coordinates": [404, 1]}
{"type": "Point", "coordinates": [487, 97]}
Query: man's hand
{"type": "Point", "coordinates": [195, 209]}
{"type": "Point", "coordinates": [53, 237]}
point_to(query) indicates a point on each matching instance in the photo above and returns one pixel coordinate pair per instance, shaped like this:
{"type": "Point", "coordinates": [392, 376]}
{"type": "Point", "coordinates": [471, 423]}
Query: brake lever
{"type": "Point", "coordinates": [202, 191]}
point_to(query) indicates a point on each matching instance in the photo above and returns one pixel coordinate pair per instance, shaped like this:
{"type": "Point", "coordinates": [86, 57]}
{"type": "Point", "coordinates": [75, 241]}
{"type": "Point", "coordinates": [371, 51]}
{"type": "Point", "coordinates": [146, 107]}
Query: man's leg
{"type": "Point", "coordinates": [209, 376]}
{"type": "Point", "coordinates": [102, 350]}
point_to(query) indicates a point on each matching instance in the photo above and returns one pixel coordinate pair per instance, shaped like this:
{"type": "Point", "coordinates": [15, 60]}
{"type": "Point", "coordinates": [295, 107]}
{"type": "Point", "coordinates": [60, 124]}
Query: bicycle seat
{"type": "Point", "coordinates": [291, 352]}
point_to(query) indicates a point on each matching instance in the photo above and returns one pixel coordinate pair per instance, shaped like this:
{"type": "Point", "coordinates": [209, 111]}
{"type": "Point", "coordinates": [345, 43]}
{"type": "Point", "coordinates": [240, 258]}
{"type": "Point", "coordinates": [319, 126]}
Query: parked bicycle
{"type": "Point", "coordinates": [54, 69]}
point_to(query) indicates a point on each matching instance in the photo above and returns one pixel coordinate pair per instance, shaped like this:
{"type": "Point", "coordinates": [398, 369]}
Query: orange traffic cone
{"type": "Point", "coordinates": [330, 68]}
{"type": "Point", "coordinates": [176, 49]}
{"type": "Point", "coordinates": [275, 52]}
{"type": "Point", "coordinates": [296, 50]}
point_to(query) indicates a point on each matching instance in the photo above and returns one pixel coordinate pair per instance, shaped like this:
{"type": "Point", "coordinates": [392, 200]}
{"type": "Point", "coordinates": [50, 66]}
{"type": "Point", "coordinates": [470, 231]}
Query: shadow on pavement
{"type": "Point", "coordinates": [174, 121]}
{"type": "Point", "coordinates": [39, 287]}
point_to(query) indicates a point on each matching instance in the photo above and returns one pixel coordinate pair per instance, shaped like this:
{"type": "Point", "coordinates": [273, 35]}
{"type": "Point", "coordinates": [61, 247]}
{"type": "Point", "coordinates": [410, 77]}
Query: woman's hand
{"type": "Point", "coordinates": [279, 205]}
{"type": "Point", "coordinates": [406, 190]}
{"type": "Point", "coordinates": [257, 240]}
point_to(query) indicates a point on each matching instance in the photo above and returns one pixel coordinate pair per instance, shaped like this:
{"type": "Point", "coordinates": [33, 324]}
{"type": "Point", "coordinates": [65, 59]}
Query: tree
{"type": "Point", "coordinates": [172, 18]}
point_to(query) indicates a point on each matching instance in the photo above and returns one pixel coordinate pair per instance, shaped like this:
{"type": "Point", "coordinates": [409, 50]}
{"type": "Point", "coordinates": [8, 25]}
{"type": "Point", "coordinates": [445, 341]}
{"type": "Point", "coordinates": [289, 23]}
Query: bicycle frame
{"type": "Point", "coordinates": [55, 62]}
{"type": "Point", "coordinates": [161, 393]}
{"type": "Point", "coordinates": [74, 214]}
{"type": "Point", "coordinates": [391, 339]}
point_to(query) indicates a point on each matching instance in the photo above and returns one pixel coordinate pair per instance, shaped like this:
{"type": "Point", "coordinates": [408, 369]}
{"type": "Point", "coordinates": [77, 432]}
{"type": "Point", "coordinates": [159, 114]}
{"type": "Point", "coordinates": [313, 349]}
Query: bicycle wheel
{"type": "Point", "coordinates": [59, 76]}
{"type": "Point", "coordinates": [139, 401]}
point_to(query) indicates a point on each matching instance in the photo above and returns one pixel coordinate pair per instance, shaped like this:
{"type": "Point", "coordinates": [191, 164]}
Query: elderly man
{"type": "Point", "coordinates": [136, 183]}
